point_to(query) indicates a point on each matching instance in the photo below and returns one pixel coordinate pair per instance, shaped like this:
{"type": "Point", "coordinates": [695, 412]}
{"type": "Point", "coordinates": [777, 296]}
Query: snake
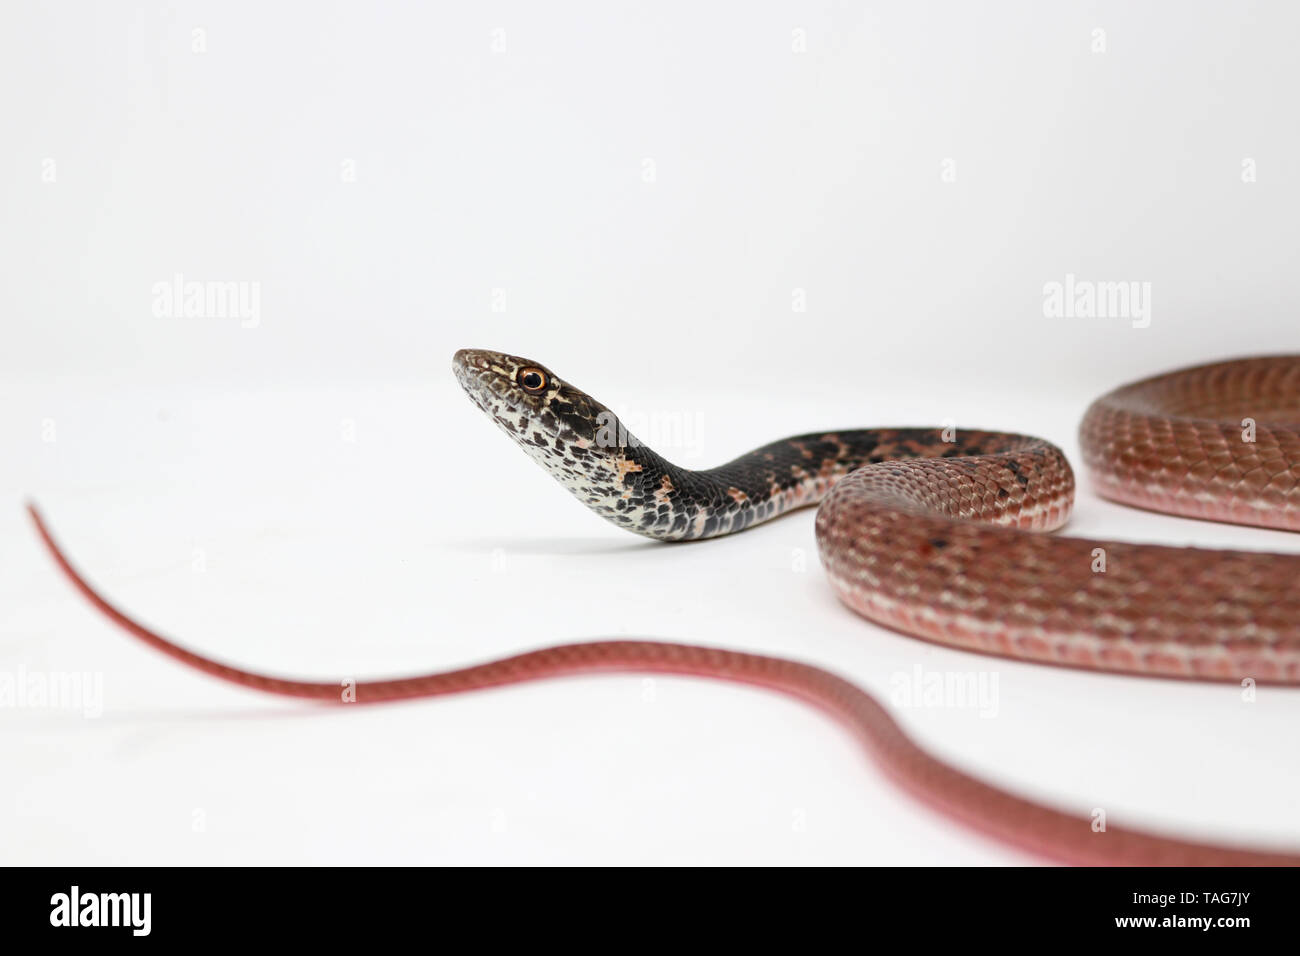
{"type": "Point", "coordinates": [937, 533]}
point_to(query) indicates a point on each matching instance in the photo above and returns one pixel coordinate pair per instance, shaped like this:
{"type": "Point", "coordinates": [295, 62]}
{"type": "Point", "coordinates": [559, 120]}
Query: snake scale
{"type": "Point", "coordinates": [937, 533]}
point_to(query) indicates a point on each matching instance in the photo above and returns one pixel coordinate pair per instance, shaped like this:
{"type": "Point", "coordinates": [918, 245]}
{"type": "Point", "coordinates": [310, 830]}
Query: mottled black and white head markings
{"type": "Point", "coordinates": [585, 447]}
{"type": "Point", "coordinates": [535, 407]}
{"type": "Point", "coordinates": [570, 434]}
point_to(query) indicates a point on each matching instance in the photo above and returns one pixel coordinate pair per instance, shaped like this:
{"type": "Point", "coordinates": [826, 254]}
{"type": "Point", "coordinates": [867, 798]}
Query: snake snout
{"type": "Point", "coordinates": [472, 368]}
{"type": "Point", "coordinates": [466, 359]}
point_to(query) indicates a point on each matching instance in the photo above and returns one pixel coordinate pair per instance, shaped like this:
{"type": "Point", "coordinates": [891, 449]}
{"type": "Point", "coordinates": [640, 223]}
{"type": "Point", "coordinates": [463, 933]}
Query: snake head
{"type": "Point", "coordinates": [575, 438]}
{"type": "Point", "coordinates": [534, 406]}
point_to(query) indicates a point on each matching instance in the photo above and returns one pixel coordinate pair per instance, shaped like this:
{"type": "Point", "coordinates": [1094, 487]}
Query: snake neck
{"type": "Point", "coordinates": [637, 489]}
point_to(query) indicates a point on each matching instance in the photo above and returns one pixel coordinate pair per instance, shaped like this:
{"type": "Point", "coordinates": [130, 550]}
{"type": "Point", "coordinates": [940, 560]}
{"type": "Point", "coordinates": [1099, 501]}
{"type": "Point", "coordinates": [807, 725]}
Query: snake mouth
{"type": "Point", "coordinates": [485, 384]}
{"type": "Point", "coordinates": [468, 365]}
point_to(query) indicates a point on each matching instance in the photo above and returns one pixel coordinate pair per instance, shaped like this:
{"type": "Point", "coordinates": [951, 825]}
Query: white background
{"type": "Point", "coordinates": [646, 191]}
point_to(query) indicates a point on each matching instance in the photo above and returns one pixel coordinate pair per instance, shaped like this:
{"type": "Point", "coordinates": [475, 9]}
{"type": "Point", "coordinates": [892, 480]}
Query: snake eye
{"type": "Point", "coordinates": [531, 379]}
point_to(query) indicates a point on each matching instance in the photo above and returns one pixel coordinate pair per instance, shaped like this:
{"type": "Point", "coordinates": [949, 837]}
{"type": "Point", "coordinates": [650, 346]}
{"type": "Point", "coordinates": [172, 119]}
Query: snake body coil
{"type": "Point", "coordinates": [937, 534]}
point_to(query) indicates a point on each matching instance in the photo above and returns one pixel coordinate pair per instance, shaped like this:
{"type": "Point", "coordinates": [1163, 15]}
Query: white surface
{"type": "Point", "coordinates": [199, 470]}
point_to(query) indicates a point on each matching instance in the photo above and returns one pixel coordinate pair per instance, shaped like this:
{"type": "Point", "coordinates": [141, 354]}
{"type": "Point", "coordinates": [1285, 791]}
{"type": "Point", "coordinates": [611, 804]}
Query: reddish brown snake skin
{"type": "Point", "coordinates": [1176, 443]}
